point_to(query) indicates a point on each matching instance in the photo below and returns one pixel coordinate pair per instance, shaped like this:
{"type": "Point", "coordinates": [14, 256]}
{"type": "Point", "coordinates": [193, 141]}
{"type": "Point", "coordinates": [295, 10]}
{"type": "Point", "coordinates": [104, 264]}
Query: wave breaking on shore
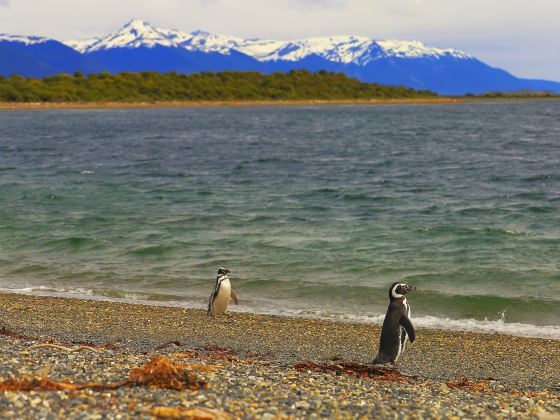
{"type": "Point", "coordinates": [487, 326]}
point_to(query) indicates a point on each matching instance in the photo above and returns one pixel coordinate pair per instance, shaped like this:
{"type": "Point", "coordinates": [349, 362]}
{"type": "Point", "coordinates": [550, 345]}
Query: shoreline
{"type": "Point", "coordinates": [260, 360]}
{"type": "Point", "coordinates": [71, 317]}
{"type": "Point", "coordinates": [466, 325]}
{"type": "Point", "coordinates": [206, 104]}
{"type": "Point", "coordinates": [263, 103]}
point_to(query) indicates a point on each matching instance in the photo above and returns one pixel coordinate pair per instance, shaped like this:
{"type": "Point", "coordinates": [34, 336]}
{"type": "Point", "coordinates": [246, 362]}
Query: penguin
{"type": "Point", "coordinates": [397, 327]}
{"type": "Point", "coordinates": [222, 293]}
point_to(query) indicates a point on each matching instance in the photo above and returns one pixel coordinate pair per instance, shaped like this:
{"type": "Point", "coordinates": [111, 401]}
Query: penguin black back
{"type": "Point", "coordinates": [397, 327]}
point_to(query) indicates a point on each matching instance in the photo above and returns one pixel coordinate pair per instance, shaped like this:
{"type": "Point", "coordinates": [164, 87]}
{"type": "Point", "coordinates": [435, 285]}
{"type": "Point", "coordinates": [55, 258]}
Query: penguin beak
{"type": "Point", "coordinates": [409, 288]}
{"type": "Point", "coordinates": [227, 271]}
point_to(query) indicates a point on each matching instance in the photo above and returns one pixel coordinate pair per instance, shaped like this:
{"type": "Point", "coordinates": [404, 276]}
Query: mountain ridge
{"type": "Point", "coordinates": [340, 48]}
{"type": "Point", "coordinates": [139, 46]}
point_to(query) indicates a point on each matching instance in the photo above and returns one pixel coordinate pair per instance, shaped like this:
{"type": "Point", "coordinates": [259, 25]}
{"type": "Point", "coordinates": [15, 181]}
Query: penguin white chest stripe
{"type": "Point", "coordinates": [407, 306]}
{"type": "Point", "coordinates": [221, 299]}
{"type": "Point", "coordinates": [402, 332]}
{"type": "Point", "coordinates": [221, 295]}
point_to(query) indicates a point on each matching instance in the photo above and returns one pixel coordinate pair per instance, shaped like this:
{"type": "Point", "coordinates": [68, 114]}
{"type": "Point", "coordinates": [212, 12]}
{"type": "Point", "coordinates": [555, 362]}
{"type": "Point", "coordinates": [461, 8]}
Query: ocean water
{"type": "Point", "coordinates": [316, 210]}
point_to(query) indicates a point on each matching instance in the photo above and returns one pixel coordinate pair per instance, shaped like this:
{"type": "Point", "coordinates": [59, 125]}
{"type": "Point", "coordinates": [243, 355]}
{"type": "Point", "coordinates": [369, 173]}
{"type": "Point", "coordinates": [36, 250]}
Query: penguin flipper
{"type": "Point", "coordinates": [233, 297]}
{"type": "Point", "coordinates": [408, 327]}
{"type": "Point", "coordinates": [210, 311]}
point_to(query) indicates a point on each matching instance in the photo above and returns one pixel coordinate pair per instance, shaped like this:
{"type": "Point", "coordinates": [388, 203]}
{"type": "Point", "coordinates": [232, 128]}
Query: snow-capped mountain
{"type": "Point", "coordinates": [139, 46]}
{"type": "Point", "coordinates": [23, 39]}
{"type": "Point", "coordinates": [339, 49]}
{"type": "Point", "coordinates": [37, 56]}
{"type": "Point", "coordinates": [137, 34]}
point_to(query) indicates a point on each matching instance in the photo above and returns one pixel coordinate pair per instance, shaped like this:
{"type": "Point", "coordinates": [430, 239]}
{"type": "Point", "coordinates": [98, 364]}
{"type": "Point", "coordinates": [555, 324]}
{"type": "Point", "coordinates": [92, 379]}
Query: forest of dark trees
{"type": "Point", "coordinates": [223, 86]}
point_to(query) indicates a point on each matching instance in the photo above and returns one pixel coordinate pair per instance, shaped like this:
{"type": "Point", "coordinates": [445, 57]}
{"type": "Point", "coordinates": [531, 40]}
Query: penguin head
{"type": "Point", "coordinates": [398, 290]}
{"type": "Point", "coordinates": [222, 271]}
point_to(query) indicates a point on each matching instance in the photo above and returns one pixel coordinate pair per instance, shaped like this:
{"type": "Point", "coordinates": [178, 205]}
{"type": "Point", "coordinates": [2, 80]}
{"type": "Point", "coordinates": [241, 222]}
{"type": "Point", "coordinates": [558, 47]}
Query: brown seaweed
{"type": "Point", "coordinates": [187, 413]}
{"type": "Point", "coordinates": [464, 383]}
{"type": "Point", "coordinates": [356, 369]}
{"type": "Point", "coordinates": [159, 372]}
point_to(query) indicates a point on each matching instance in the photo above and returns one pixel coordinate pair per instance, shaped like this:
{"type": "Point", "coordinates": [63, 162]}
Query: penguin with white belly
{"type": "Point", "coordinates": [221, 295]}
{"type": "Point", "coordinates": [397, 327]}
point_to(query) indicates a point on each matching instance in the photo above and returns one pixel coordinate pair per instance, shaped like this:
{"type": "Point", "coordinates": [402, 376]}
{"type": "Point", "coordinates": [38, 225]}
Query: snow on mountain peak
{"type": "Point", "coordinates": [24, 39]}
{"type": "Point", "coordinates": [138, 33]}
{"type": "Point", "coordinates": [414, 49]}
{"type": "Point", "coordinates": [343, 49]}
{"type": "Point", "coordinates": [137, 24]}
{"type": "Point", "coordinates": [336, 48]}
{"type": "Point", "coordinates": [134, 34]}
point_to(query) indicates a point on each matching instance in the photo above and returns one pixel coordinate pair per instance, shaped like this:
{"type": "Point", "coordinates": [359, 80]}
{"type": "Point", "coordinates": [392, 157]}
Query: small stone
{"type": "Point", "coordinates": [303, 405]}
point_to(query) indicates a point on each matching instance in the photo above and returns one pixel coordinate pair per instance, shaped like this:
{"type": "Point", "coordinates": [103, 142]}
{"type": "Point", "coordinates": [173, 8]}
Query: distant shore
{"type": "Point", "coordinates": [178, 104]}
{"type": "Point", "coordinates": [263, 364]}
{"type": "Point", "coordinates": [258, 103]}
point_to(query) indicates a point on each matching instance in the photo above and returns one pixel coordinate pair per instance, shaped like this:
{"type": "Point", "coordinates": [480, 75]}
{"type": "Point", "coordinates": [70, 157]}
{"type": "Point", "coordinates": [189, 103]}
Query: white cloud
{"type": "Point", "coordinates": [314, 5]}
{"type": "Point", "coordinates": [4, 3]}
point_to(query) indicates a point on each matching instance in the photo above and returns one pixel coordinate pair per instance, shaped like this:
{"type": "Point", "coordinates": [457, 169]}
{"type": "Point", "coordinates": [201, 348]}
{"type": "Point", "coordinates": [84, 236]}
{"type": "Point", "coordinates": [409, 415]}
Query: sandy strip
{"type": "Point", "coordinates": [265, 103]}
{"type": "Point", "coordinates": [251, 103]}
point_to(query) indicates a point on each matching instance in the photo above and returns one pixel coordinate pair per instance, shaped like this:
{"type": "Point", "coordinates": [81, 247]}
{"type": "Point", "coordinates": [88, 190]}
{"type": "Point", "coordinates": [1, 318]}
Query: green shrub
{"type": "Point", "coordinates": [223, 86]}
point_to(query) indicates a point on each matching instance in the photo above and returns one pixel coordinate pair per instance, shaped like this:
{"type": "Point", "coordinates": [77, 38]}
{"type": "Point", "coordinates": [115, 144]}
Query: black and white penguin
{"type": "Point", "coordinates": [397, 327]}
{"type": "Point", "coordinates": [222, 293]}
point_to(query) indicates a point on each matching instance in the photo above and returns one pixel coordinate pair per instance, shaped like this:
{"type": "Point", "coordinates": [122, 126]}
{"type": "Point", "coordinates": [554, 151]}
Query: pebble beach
{"type": "Point", "coordinates": [73, 358]}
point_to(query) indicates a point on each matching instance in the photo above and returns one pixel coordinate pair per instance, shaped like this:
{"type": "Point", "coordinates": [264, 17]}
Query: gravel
{"type": "Point", "coordinates": [446, 374]}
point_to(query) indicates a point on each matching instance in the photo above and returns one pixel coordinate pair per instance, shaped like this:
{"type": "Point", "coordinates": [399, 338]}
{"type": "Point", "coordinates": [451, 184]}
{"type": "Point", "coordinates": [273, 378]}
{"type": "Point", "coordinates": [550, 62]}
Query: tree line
{"type": "Point", "coordinates": [206, 86]}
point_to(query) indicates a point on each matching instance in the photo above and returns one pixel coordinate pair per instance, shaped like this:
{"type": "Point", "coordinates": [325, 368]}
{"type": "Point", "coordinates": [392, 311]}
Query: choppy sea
{"type": "Point", "coordinates": [316, 210]}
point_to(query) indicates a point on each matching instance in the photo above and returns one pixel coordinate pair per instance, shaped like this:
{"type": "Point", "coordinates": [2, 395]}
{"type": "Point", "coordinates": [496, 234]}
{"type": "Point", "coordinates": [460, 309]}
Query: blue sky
{"type": "Point", "coordinates": [517, 35]}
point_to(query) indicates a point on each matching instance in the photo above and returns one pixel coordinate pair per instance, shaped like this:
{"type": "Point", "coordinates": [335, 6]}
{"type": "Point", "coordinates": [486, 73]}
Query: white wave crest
{"type": "Point", "coordinates": [466, 324]}
{"type": "Point", "coordinates": [490, 326]}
